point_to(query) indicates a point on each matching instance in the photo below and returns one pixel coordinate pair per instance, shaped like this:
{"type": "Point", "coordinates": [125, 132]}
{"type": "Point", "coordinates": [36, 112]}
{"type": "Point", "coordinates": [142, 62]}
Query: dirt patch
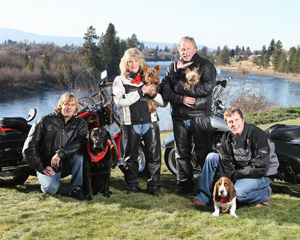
{"type": "Point", "coordinates": [247, 66]}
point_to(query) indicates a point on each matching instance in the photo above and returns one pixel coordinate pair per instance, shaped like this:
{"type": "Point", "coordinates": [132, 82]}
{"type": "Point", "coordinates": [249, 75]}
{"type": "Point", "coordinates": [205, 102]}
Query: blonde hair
{"type": "Point", "coordinates": [129, 54]}
{"type": "Point", "coordinates": [67, 97]}
{"type": "Point", "coordinates": [230, 111]}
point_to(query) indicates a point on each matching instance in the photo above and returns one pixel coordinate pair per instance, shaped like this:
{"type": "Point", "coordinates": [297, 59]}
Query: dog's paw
{"type": "Point", "coordinates": [234, 215]}
{"type": "Point", "coordinates": [215, 214]}
{"type": "Point", "coordinates": [107, 194]}
{"type": "Point", "coordinates": [89, 197]}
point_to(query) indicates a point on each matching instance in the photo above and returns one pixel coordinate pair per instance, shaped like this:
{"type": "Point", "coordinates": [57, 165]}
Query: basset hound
{"type": "Point", "coordinates": [224, 196]}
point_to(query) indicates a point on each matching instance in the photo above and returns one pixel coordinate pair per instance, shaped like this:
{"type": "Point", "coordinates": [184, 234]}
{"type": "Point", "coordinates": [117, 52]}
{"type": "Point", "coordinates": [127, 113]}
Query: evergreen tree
{"type": "Point", "coordinates": [123, 48]}
{"type": "Point", "coordinates": [237, 51]}
{"type": "Point", "coordinates": [30, 66]}
{"type": "Point", "coordinates": [42, 73]}
{"type": "Point", "coordinates": [218, 51]}
{"type": "Point", "coordinates": [231, 53]}
{"type": "Point", "coordinates": [224, 57]}
{"type": "Point", "coordinates": [25, 60]}
{"type": "Point", "coordinates": [90, 50]}
{"type": "Point", "coordinates": [110, 51]}
{"type": "Point", "coordinates": [296, 63]}
{"type": "Point", "coordinates": [290, 63]}
{"type": "Point", "coordinates": [142, 46]}
{"type": "Point", "coordinates": [282, 63]}
{"type": "Point", "coordinates": [133, 42]}
{"type": "Point", "coordinates": [276, 55]}
{"type": "Point", "coordinates": [266, 60]}
{"type": "Point", "coordinates": [271, 47]}
{"type": "Point", "coordinates": [46, 61]}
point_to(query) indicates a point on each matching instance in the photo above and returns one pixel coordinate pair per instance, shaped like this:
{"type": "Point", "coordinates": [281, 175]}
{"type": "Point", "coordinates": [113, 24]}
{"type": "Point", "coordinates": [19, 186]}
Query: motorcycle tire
{"type": "Point", "coordinates": [142, 162]}
{"type": "Point", "coordinates": [295, 193]}
{"type": "Point", "coordinates": [170, 162]}
{"type": "Point", "coordinates": [13, 178]}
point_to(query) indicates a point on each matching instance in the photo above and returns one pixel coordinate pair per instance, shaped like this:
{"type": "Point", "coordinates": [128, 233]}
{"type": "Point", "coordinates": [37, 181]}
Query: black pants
{"type": "Point", "coordinates": [200, 131]}
{"type": "Point", "coordinates": [131, 142]}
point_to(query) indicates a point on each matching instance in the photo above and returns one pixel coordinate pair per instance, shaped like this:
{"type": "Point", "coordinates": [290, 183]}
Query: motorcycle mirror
{"type": "Point", "coordinates": [31, 114]}
{"type": "Point", "coordinates": [104, 74]}
{"type": "Point", "coordinates": [218, 69]}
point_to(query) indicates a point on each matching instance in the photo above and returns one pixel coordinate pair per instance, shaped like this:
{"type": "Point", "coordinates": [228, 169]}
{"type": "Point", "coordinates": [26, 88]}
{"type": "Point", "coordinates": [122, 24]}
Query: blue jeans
{"type": "Point", "coordinates": [248, 190]}
{"type": "Point", "coordinates": [72, 166]}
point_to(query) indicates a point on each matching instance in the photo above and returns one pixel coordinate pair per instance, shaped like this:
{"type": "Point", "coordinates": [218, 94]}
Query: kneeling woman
{"type": "Point", "coordinates": [130, 94]}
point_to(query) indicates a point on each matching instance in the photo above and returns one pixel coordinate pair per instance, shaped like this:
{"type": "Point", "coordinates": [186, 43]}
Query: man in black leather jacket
{"type": "Point", "coordinates": [53, 147]}
{"type": "Point", "coordinates": [191, 109]}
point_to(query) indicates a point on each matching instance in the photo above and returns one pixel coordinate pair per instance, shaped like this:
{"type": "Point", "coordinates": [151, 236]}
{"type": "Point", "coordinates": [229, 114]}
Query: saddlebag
{"type": "Point", "coordinates": [11, 144]}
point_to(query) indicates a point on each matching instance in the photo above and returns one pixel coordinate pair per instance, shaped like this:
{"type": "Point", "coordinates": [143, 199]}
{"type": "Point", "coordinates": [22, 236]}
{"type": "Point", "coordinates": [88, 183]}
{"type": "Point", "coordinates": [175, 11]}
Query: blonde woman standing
{"type": "Point", "coordinates": [130, 94]}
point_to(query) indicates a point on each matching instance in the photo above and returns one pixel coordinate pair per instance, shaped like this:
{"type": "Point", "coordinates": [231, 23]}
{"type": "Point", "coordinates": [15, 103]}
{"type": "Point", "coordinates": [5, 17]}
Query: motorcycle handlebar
{"type": "Point", "coordinates": [223, 83]}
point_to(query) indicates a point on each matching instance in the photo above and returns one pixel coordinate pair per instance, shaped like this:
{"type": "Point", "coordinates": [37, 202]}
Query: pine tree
{"type": "Point", "coordinates": [25, 60]}
{"type": "Point", "coordinates": [42, 73]}
{"type": "Point", "coordinates": [290, 63]}
{"type": "Point", "coordinates": [296, 63]}
{"type": "Point", "coordinates": [46, 61]}
{"type": "Point", "coordinates": [224, 57]}
{"type": "Point", "coordinates": [110, 51]}
{"type": "Point", "coordinates": [30, 66]}
{"type": "Point", "coordinates": [133, 42]}
{"type": "Point", "coordinates": [90, 50]}
{"type": "Point", "coordinates": [276, 54]}
{"type": "Point", "coordinates": [282, 63]}
{"type": "Point", "coordinates": [271, 47]}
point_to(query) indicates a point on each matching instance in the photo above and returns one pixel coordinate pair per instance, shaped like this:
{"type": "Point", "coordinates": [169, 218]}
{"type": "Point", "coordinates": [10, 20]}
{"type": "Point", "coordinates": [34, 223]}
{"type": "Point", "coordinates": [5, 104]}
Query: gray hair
{"type": "Point", "coordinates": [186, 38]}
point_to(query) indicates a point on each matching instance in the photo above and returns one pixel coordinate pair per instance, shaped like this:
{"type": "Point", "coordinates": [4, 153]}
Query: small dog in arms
{"type": "Point", "coordinates": [224, 196]}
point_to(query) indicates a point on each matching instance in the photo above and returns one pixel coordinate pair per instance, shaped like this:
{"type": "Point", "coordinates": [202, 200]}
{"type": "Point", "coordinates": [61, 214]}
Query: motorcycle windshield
{"type": "Point", "coordinates": [87, 84]}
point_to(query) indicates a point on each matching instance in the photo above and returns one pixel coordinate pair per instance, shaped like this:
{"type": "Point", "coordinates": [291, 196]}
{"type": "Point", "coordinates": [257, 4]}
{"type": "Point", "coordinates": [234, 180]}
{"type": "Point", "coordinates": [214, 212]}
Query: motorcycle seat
{"type": "Point", "coordinates": [282, 132]}
{"type": "Point", "coordinates": [18, 123]}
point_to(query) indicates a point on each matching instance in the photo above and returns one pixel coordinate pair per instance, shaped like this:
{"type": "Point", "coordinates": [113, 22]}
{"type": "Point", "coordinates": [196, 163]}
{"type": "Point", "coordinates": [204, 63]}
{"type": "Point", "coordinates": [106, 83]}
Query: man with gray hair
{"type": "Point", "coordinates": [191, 108]}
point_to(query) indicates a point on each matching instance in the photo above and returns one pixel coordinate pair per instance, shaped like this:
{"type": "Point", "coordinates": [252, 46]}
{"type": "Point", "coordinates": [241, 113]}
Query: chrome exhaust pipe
{"type": "Point", "coordinates": [280, 183]}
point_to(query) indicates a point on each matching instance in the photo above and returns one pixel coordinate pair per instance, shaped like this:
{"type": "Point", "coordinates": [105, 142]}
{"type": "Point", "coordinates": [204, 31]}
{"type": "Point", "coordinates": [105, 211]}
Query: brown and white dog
{"type": "Point", "coordinates": [224, 196]}
{"type": "Point", "coordinates": [152, 77]}
{"type": "Point", "coordinates": [192, 77]}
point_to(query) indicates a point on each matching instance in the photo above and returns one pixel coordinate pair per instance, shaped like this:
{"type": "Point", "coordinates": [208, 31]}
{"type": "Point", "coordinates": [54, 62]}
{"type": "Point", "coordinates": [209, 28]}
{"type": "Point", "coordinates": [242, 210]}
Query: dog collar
{"type": "Point", "coordinates": [99, 156]}
{"type": "Point", "coordinates": [223, 200]}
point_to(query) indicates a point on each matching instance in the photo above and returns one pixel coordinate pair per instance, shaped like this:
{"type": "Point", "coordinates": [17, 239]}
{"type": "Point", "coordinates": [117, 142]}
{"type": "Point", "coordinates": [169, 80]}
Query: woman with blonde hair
{"type": "Point", "coordinates": [130, 93]}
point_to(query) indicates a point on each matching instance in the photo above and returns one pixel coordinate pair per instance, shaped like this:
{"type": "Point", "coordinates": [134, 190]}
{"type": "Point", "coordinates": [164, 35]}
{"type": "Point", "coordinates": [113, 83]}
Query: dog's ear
{"type": "Point", "coordinates": [216, 197]}
{"type": "Point", "coordinates": [231, 192]}
{"type": "Point", "coordinates": [157, 68]}
{"type": "Point", "coordinates": [146, 67]}
{"type": "Point", "coordinates": [196, 70]}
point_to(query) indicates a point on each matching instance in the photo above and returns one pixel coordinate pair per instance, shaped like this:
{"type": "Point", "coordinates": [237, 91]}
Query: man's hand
{"type": "Point", "coordinates": [48, 171]}
{"type": "Point", "coordinates": [55, 161]}
{"type": "Point", "coordinates": [188, 101]}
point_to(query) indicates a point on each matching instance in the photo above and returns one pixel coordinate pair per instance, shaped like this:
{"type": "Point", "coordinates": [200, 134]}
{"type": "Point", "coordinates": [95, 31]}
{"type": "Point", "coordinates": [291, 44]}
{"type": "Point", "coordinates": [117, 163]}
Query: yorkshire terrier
{"type": "Point", "coordinates": [152, 77]}
{"type": "Point", "coordinates": [192, 77]}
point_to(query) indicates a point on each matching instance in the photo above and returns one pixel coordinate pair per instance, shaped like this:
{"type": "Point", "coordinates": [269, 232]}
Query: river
{"type": "Point", "coordinates": [276, 90]}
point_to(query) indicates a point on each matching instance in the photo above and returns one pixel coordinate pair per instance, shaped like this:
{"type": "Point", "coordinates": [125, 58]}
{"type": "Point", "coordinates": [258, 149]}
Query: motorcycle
{"type": "Point", "coordinates": [13, 133]}
{"type": "Point", "coordinates": [99, 110]}
{"type": "Point", "coordinates": [285, 137]}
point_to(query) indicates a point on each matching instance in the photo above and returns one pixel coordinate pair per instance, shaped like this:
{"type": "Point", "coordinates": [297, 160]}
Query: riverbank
{"type": "Point", "coordinates": [247, 67]}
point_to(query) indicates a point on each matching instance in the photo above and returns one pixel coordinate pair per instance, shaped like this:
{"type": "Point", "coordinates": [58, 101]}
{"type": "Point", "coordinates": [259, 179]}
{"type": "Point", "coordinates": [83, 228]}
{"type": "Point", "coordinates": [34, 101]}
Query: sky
{"type": "Point", "coordinates": [248, 23]}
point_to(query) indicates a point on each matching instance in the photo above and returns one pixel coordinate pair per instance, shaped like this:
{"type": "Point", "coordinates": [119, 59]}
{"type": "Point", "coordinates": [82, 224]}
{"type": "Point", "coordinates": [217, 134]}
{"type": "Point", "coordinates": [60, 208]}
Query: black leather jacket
{"type": "Point", "coordinates": [202, 91]}
{"type": "Point", "coordinates": [50, 135]}
{"type": "Point", "coordinates": [247, 155]}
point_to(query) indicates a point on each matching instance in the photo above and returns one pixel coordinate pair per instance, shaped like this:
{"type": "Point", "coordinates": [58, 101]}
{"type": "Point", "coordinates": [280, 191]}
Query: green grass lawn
{"type": "Point", "coordinates": [26, 213]}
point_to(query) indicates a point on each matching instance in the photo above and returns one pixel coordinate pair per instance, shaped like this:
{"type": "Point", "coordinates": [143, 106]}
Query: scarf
{"type": "Point", "coordinates": [100, 155]}
{"type": "Point", "coordinates": [136, 78]}
{"type": "Point", "coordinates": [223, 200]}
{"type": "Point", "coordinates": [181, 64]}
